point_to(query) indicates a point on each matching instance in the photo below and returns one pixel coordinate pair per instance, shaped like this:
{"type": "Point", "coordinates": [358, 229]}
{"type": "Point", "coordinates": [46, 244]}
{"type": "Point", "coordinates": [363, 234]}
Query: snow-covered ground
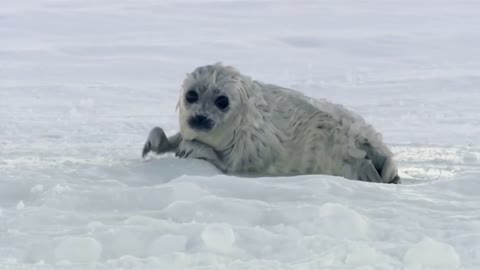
{"type": "Point", "coordinates": [82, 82]}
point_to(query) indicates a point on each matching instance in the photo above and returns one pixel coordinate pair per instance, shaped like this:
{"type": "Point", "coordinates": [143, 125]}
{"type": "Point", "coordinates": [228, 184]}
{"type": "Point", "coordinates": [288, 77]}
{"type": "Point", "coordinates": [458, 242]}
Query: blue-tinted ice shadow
{"type": "Point", "coordinates": [154, 171]}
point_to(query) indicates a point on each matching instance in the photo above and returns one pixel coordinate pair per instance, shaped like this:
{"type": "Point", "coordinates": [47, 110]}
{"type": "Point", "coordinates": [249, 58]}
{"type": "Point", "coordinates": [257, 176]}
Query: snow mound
{"type": "Point", "coordinates": [167, 244]}
{"type": "Point", "coordinates": [340, 221]}
{"type": "Point", "coordinates": [83, 250]}
{"type": "Point", "coordinates": [431, 254]}
{"type": "Point", "coordinates": [362, 255]}
{"type": "Point", "coordinates": [218, 238]}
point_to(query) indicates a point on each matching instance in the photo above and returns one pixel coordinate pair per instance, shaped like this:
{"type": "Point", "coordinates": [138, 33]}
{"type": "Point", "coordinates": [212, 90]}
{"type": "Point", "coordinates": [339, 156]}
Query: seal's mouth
{"type": "Point", "coordinates": [200, 122]}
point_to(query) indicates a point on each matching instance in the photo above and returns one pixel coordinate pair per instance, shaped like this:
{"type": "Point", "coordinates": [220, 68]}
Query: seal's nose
{"type": "Point", "coordinates": [200, 122]}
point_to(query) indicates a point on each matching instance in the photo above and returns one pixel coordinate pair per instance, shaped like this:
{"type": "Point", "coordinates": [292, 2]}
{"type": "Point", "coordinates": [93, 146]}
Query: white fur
{"type": "Point", "coordinates": [270, 130]}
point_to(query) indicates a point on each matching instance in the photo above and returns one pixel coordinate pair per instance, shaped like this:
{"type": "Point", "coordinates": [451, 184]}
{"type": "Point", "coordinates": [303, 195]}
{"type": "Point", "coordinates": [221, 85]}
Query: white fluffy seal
{"type": "Point", "coordinates": [244, 126]}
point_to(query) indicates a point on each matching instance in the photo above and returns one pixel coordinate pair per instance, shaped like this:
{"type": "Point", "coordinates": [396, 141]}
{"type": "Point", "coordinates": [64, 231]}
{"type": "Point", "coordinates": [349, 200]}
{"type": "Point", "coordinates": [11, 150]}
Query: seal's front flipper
{"type": "Point", "coordinates": [382, 163]}
{"type": "Point", "coordinates": [158, 142]}
{"type": "Point", "coordinates": [368, 173]}
{"type": "Point", "coordinates": [198, 150]}
{"type": "Point", "coordinates": [390, 172]}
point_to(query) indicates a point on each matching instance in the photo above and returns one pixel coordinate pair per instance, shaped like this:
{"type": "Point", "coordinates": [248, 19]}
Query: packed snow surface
{"type": "Point", "coordinates": [83, 82]}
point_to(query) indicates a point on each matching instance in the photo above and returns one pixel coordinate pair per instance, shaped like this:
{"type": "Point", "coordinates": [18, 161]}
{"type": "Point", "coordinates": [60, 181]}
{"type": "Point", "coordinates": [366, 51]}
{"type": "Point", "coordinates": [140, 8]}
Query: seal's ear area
{"type": "Point", "coordinates": [254, 109]}
{"type": "Point", "coordinates": [188, 81]}
{"type": "Point", "coordinates": [225, 69]}
{"type": "Point", "coordinates": [213, 77]}
{"type": "Point", "coordinates": [240, 89]}
{"type": "Point", "coordinates": [256, 101]}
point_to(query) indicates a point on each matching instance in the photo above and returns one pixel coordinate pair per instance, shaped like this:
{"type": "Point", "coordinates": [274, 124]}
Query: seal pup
{"type": "Point", "coordinates": [243, 126]}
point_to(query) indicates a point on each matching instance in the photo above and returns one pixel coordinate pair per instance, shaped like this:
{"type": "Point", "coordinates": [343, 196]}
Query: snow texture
{"type": "Point", "coordinates": [83, 82]}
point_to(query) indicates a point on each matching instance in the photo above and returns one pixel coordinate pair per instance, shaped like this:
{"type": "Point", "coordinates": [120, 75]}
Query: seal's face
{"type": "Point", "coordinates": [207, 107]}
{"type": "Point", "coordinates": [209, 102]}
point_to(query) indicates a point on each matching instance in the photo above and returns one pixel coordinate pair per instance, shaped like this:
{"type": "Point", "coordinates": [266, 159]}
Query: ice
{"type": "Point", "coordinates": [126, 242]}
{"type": "Point", "coordinates": [363, 255]}
{"type": "Point", "coordinates": [37, 188]}
{"type": "Point", "coordinates": [218, 238]}
{"type": "Point", "coordinates": [470, 157]}
{"type": "Point", "coordinates": [83, 250]}
{"type": "Point", "coordinates": [167, 244]}
{"type": "Point", "coordinates": [340, 221]}
{"type": "Point", "coordinates": [83, 82]}
{"type": "Point", "coordinates": [431, 254]}
{"type": "Point", "coordinates": [20, 205]}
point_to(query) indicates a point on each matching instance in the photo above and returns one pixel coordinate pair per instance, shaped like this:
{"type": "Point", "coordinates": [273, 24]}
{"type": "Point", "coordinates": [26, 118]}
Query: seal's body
{"type": "Point", "coordinates": [245, 126]}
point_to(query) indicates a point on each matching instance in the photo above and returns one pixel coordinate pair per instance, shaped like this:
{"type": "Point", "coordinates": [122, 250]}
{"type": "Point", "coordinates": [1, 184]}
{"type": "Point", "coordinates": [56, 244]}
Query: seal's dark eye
{"type": "Point", "coordinates": [191, 96]}
{"type": "Point", "coordinates": [221, 102]}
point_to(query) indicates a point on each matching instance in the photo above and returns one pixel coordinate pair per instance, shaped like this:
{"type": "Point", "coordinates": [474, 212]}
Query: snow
{"type": "Point", "coordinates": [341, 222]}
{"type": "Point", "coordinates": [431, 254]}
{"type": "Point", "coordinates": [166, 244]}
{"type": "Point", "coordinates": [83, 82]}
{"type": "Point", "coordinates": [218, 238]}
{"type": "Point", "coordinates": [85, 250]}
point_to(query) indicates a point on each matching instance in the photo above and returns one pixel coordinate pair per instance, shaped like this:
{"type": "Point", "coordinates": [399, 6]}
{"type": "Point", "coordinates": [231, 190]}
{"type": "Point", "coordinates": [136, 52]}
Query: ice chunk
{"type": "Point", "coordinates": [166, 244]}
{"type": "Point", "coordinates": [343, 222]}
{"type": "Point", "coordinates": [20, 205]}
{"type": "Point", "coordinates": [219, 238]}
{"type": "Point", "coordinates": [431, 254]}
{"type": "Point", "coordinates": [470, 157]}
{"type": "Point", "coordinates": [78, 250]}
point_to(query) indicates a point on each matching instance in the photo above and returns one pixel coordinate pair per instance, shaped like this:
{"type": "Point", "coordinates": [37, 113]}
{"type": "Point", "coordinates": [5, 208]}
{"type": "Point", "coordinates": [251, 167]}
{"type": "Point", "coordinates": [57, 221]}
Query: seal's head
{"type": "Point", "coordinates": [210, 103]}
